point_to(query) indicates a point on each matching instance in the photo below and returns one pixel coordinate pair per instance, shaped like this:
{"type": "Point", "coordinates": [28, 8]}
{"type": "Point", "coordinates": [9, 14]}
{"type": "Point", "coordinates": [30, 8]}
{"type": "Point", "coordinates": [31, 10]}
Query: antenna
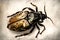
{"type": "Point", "coordinates": [50, 19]}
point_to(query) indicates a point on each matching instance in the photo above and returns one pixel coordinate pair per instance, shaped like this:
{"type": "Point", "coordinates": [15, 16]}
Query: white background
{"type": "Point", "coordinates": [52, 32]}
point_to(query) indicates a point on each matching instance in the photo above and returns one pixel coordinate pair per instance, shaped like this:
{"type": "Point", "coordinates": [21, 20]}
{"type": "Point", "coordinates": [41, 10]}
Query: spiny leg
{"type": "Point", "coordinates": [26, 33]}
{"type": "Point", "coordinates": [35, 6]}
{"type": "Point", "coordinates": [42, 26]}
{"type": "Point", "coordinates": [28, 8]}
{"type": "Point", "coordinates": [38, 30]}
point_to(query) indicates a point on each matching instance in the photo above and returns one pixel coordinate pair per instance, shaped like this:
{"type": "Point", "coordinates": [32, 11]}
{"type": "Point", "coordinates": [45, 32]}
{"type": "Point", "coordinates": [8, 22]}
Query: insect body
{"type": "Point", "coordinates": [24, 20]}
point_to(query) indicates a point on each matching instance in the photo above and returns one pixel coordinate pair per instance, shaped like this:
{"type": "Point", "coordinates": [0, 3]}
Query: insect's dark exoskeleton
{"type": "Point", "coordinates": [38, 15]}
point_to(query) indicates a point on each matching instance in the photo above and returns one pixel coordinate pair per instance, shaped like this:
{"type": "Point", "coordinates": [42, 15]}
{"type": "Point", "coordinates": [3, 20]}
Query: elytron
{"type": "Point", "coordinates": [24, 20]}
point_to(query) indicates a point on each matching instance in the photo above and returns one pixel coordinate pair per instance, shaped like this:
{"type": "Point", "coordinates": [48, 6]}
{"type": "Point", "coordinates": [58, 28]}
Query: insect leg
{"type": "Point", "coordinates": [28, 8]}
{"type": "Point", "coordinates": [35, 6]}
{"type": "Point", "coordinates": [42, 26]}
{"type": "Point", "coordinates": [26, 33]}
{"type": "Point", "coordinates": [38, 30]}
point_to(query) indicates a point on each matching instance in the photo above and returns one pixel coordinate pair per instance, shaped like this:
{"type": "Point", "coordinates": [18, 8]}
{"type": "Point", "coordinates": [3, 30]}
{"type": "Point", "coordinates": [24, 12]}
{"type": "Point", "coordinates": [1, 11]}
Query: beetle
{"type": "Point", "coordinates": [24, 20]}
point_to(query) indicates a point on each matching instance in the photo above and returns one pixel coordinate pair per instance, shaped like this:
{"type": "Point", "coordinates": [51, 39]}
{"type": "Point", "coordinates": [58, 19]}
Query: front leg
{"type": "Point", "coordinates": [26, 33]}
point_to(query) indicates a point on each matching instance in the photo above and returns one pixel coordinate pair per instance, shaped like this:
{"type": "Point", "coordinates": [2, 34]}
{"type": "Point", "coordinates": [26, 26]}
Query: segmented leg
{"type": "Point", "coordinates": [38, 30]}
{"type": "Point", "coordinates": [35, 6]}
{"type": "Point", "coordinates": [42, 26]}
{"type": "Point", "coordinates": [26, 33]}
{"type": "Point", "coordinates": [28, 8]}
